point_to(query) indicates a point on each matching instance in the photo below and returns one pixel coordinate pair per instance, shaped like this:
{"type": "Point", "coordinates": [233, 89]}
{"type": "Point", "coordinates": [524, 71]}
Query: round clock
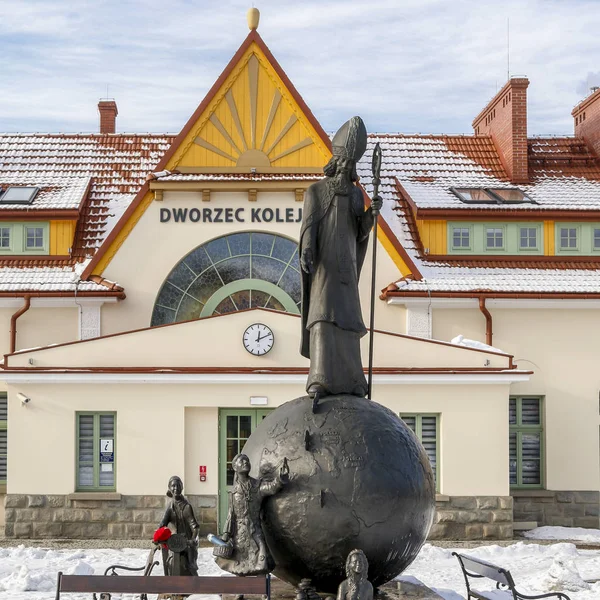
{"type": "Point", "coordinates": [258, 339]}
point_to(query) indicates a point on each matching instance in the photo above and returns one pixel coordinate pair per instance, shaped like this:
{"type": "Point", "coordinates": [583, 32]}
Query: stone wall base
{"type": "Point", "coordinates": [111, 516]}
{"type": "Point", "coordinates": [473, 518]}
{"type": "Point", "coordinates": [114, 516]}
{"type": "Point", "coordinates": [566, 509]}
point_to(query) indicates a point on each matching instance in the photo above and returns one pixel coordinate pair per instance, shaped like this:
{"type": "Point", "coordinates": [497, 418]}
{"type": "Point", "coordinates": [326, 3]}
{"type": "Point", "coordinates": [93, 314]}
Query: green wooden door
{"type": "Point", "coordinates": [235, 427]}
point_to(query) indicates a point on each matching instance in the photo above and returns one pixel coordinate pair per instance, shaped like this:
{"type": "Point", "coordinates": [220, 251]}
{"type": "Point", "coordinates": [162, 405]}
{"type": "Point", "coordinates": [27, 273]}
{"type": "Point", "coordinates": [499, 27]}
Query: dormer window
{"type": "Point", "coordinates": [19, 195]}
{"type": "Point", "coordinates": [491, 195]}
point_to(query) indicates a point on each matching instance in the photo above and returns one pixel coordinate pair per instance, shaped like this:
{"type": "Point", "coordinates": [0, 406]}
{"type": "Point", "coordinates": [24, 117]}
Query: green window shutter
{"type": "Point", "coordinates": [512, 458]}
{"type": "Point", "coordinates": [95, 471]}
{"type": "Point", "coordinates": [526, 442]}
{"type": "Point", "coordinates": [429, 440]}
{"type": "Point", "coordinates": [426, 428]}
{"type": "Point", "coordinates": [411, 421]}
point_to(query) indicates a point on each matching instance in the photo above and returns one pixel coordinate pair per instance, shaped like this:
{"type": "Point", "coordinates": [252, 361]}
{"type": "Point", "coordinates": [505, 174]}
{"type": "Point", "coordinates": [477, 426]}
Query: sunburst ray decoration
{"type": "Point", "coordinates": [255, 125]}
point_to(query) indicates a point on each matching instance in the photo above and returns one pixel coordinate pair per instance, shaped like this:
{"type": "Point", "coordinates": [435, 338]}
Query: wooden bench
{"type": "Point", "coordinates": [105, 585]}
{"type": "Point", "coordinates": [505, 585]}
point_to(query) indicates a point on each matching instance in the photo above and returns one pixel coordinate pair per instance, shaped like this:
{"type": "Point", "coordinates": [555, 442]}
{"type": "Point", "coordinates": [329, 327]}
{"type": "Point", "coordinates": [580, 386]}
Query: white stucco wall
{"type": "Point", "coordinates": [560, 347]}
{"type": "Point", "coordinates": [164, 430]}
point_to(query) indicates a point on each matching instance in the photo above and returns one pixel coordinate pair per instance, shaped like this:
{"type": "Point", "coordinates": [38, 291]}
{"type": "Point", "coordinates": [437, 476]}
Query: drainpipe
{"type": "Point", "coordinates": [488, 321]}
{"type": "Point", "coordinates": [13, 322]}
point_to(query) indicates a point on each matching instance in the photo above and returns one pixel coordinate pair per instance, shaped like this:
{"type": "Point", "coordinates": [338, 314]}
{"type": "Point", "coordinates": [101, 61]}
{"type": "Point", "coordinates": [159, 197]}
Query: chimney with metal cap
{"type": "Point", "coordinates": [108, 116]}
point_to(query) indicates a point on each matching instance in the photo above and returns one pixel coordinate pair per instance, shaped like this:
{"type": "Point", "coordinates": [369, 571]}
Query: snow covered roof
{"type": "Point", "coordinates": [93, 174]}
{"type": "Point", "coordinates": [99, 175]}
{"type": "Point", "coordinates": [63, 165]}
{"type": "Point", "coordinates": [564, 176]}
{"type": "Point", "coordinates": [48, 279]}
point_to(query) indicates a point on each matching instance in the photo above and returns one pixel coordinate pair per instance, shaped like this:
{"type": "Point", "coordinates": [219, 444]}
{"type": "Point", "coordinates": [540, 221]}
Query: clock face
{"type": "Point", "coordinates": [258, 339]}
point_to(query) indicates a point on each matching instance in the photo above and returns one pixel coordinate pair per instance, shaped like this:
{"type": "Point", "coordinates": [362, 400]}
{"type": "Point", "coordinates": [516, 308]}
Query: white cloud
{"type": "Point", "coordinates": [404, 65]}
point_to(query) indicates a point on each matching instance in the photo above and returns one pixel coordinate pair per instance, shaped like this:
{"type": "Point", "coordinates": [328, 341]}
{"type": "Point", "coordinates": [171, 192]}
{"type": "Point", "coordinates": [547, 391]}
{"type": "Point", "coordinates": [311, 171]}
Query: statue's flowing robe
{"type": "Point", "coordinates": [336, 228]}
{"type": "Point", "coordinates": [251, 555]}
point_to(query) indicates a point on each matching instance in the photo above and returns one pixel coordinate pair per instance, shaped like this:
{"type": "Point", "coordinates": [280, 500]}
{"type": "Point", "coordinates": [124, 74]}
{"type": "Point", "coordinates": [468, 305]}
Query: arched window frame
{"type": "Point", "coordinates": [171, 296]}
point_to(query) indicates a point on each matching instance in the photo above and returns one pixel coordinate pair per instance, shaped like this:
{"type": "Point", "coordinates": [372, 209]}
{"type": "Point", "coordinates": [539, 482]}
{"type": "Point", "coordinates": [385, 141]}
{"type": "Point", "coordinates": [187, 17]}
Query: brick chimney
{"type": "Point", "coordinates": [108, 116]}
{"type": "Point", "coordinates": [505, 119]}
{"type": "Point", "coordinates": [587, 120]}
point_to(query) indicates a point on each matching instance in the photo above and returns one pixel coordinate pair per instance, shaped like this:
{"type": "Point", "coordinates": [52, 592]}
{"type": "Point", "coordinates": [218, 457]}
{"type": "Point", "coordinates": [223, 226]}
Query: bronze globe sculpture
{"type": "Point", "coordinates": [359, 478]}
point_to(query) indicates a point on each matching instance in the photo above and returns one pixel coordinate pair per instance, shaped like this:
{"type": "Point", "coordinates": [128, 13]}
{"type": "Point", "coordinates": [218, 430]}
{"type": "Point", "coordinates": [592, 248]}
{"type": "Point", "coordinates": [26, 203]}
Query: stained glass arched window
{"type": "Point", "coordinates": [230, 273]}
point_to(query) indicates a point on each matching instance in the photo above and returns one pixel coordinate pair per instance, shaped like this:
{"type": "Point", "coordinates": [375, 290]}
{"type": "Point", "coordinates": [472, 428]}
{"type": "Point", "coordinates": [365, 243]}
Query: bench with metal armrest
{"type": "Point", "coordinates": [505, 585]}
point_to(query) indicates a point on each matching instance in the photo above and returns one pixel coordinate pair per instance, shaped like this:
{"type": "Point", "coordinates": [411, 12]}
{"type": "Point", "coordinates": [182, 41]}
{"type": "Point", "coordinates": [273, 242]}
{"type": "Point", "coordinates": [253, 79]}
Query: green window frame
{"type": "Point", "coordinates": [92, 472]}
{"type": "Point", "coordinates": [526, 442]}
{"type": "Point", "coordinates": [568, 238]}
{"type": "Point", "coordinates": [426, 426]}
{"type": "Point", "coordinates": [34, 238]}
{"type": "Point", "coordinates": [463, 234]}
{"type": "Point", "coordinates": [14, 238]}
{"type": "Point", "coordinates": [3, 438]}
{"type": "Point", "coordinates": [529, 238]}
{"type": "Point", "coordinates": [6, 237]}
{"type": "Point", "coordinates": [495, 237]}
{"type": "Point", "coordinates": [595, 239]}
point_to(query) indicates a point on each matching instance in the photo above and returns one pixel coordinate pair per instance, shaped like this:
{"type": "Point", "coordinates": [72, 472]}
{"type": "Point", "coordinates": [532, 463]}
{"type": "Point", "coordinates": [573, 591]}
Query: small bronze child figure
{"type": "Point", "coordinates": [181, 514]}
{"type": "Point", "coordinates": [243, 528]}
{"type": "Point", "coordinates": [356, 586]}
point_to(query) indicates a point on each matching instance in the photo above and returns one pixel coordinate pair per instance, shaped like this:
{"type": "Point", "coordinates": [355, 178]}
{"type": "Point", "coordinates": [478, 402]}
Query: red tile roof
{"type": "Point", "coordinates": [117, 165]}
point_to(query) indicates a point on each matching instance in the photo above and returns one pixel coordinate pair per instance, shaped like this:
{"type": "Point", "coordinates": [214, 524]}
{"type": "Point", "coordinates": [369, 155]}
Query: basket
{"type": "Point", "coordinates": [223, 551]}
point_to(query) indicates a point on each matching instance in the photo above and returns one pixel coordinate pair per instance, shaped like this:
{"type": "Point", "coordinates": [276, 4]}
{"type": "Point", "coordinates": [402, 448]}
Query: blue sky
{"type": "Point", "coordinates": [409, 66]}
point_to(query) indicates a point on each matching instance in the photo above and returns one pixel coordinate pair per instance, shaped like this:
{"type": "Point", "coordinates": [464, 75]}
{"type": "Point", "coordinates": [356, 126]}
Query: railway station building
{"type": "Point", "coordinates": [136, 271]}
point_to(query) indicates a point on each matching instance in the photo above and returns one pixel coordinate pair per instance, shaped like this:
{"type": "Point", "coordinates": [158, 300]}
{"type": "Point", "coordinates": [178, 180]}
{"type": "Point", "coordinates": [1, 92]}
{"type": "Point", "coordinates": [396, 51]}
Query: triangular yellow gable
{"type": "Point", "coordinates": [253, 121]}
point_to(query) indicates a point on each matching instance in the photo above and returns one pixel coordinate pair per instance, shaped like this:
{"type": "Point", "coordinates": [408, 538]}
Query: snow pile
{"type": "Point", "coordinates": [562, 576]}
{"type": "Point", "coordinates": [578, 534]}
{"type": "Point", "coordinates": [460, 340]}
{"type": "Point", "coordinates": [81, 568]}
{"type": "Point", "coordinates": [23, 580]}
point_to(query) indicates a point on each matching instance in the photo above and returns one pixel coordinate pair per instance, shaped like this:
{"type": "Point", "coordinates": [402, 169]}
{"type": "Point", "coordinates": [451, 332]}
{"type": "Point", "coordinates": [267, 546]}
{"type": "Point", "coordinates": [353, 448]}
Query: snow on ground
{"type": "Point", "coordinates": [535, 568]}
{"type": "Point", "coordinates": [577, 534]}
{"type": "Point", "coordinates": [30, 573]}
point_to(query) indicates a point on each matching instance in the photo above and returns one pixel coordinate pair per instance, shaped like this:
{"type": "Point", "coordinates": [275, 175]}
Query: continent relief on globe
{"type": "Point", "coordinates": [359, 478]}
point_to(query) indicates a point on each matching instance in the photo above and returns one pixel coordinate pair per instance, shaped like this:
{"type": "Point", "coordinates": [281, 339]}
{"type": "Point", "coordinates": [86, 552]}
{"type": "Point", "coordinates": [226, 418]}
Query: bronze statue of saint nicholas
{"type": "Point", "coordinates": [333, 244]}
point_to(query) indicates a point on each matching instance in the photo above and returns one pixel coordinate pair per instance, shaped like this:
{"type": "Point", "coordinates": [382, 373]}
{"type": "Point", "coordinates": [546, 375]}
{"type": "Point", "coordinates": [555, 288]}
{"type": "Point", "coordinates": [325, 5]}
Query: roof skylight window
{"type": "Point", "coordinates": [474, 195]}
{"type": "Point", "coordinates": [510, 195]}
{"type": "Point", "coordinates": [19, 195]}
{"type": "Point", "coordinates": [491, 195]}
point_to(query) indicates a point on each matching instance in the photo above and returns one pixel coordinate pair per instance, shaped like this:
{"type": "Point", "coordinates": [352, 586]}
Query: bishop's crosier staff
{"type": "Point", "coordinates": [376, 170]}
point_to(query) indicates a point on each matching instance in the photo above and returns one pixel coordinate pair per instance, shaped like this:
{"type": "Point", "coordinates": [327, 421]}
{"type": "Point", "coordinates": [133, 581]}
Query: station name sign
{"type": "Point", "coordinates": [231, 215]}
